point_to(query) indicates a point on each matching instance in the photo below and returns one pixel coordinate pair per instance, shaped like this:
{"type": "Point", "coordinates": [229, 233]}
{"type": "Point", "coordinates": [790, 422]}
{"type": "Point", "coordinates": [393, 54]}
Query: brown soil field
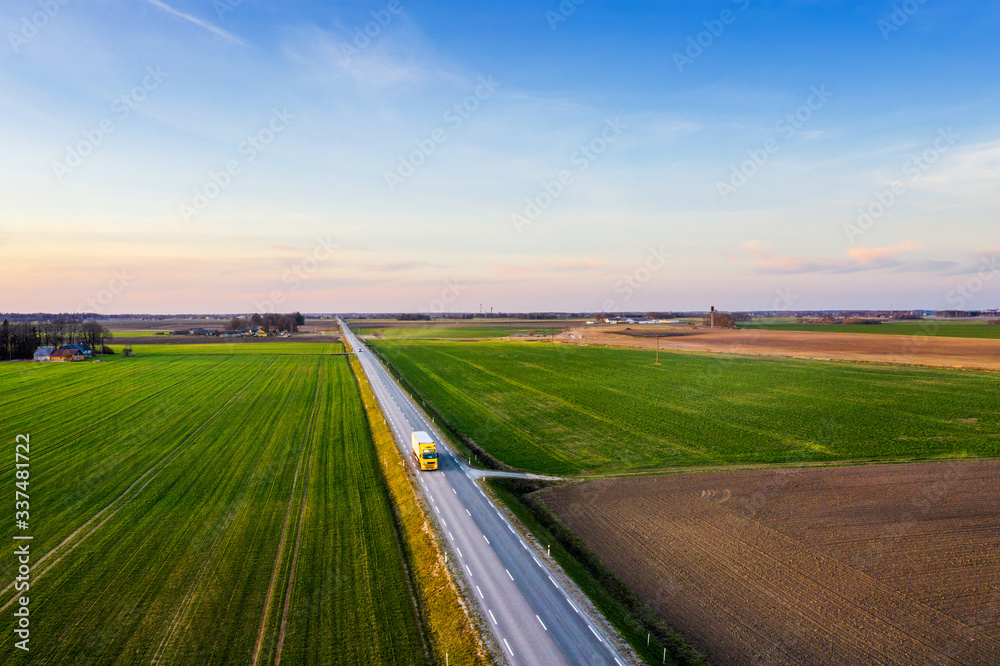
{"type": "Point", "coordinates": [977, 354]}
{"type": "Point", "coordinates": [889, 564]}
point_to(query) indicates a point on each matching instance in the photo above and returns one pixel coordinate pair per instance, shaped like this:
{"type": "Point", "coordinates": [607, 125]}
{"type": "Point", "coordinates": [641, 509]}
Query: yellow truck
{"type": "Point", "coordinates": [424, 451]}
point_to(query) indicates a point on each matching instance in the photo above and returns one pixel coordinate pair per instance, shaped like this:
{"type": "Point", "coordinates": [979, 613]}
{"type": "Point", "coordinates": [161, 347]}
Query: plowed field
{"type": "Point", "coordinates": [895, 564]}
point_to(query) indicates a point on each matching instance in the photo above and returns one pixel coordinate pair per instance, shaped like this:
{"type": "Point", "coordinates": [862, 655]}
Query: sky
{"type": "Point", "coordinates": [231, 156]}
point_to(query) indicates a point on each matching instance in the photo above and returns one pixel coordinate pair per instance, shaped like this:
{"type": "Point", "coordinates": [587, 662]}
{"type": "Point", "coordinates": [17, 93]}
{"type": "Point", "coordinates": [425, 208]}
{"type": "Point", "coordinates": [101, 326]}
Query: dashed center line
{"type": "Point", "coordinates": [541, 623]}
{"type": "Point", "coordinates": [508, 573]}
{"type": "Point", "coordinates": [487, 541]}
{"type": "Point", "coordinates": [467, 511]}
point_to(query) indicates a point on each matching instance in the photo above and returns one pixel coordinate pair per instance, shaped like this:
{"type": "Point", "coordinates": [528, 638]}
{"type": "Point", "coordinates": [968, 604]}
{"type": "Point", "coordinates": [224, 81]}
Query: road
{"type": "Point", "coordinates": [533, 618]}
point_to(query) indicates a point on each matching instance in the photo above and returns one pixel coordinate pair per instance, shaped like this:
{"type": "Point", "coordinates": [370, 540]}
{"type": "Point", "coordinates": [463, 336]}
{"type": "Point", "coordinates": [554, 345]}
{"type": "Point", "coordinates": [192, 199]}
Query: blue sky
{"type": "Point", "coordinates": [165, 156]}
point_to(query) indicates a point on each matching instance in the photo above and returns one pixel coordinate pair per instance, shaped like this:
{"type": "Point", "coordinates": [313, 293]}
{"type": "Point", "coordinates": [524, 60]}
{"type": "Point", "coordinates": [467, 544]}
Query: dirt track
{"type": "Point", "coordinates": [966, 353]}
{"type": "Point", "coordinates": [847, 565]}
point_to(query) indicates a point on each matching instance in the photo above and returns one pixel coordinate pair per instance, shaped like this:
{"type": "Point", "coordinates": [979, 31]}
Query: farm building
{"type": "Point", "coordinates": [83, 349]}
{"type": "Point", "coordinates": [66, 355]}
{"type": "Point", "coordinates": [42, 353]}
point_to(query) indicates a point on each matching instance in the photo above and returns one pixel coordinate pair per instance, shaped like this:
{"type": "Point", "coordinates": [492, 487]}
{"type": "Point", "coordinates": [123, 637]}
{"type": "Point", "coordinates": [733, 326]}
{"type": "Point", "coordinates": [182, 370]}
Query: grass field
{"type": "Point", "coordinates": [192, 508]}
{"type": "Point", "coordinates": [930, 328]}
{"type": "Point", "coordinates": [561, 409]}
{"type": "Point", "coordinates": [430, 332]}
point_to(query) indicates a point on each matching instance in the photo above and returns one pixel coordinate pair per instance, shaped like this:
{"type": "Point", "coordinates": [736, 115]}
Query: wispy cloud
{"type": "Point", "coordinates": [856, 259]}
{"type": "Point", "coordinates": [198, 22]}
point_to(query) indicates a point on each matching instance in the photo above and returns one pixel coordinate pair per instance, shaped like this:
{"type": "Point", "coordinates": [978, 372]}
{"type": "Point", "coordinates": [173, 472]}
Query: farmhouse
{"type": "Point", "coordinates": [83, 349]}
{"type": "Point", "coordinates": [66, 355]}
{"type": "Point", "coordinates": [42, 353]}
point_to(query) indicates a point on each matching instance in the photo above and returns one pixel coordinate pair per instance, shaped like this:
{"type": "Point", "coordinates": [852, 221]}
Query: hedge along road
{"type": "Point", "coordinates": [531, 615]}
{"type": "Point", "coordinates": [161, 500]}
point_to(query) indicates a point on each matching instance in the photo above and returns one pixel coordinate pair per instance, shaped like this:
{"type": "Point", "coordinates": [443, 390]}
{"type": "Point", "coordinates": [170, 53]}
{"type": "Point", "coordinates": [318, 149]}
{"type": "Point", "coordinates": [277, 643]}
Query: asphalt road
{"type": "Point", "coordinates": [533, 618]}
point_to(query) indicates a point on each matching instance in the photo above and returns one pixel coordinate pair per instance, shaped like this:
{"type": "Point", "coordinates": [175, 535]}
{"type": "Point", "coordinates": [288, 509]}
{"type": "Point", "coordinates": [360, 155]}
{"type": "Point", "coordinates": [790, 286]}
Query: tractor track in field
{"type": "Point", "coordinates": [70, 543]}
{"type": "Point", "coordinates": [298, 532]}
{"type": "Point", "coordinates": [281, 544]}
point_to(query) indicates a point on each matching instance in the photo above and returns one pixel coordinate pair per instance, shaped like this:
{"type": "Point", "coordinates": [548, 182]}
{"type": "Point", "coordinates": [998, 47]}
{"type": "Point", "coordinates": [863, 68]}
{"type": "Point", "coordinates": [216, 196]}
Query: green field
{"type": "Point", "coordinates": [189, 508]}
{"type": "Point", "coordinates": [561, 409]}
{"type": "Point", "coordinates": [431, 332]}
{"type": "Point", "coordinates": [930, 328]}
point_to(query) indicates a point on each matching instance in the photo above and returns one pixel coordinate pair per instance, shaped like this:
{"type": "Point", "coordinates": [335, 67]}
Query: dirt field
{"type": "Point", "coordinates": [979, 354]}
{"type": "Point", "coordinates": [896, 564]}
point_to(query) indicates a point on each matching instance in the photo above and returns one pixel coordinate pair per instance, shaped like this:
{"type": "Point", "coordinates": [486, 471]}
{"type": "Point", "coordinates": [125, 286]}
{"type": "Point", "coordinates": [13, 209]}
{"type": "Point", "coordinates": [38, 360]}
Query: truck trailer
{"type": "Point", "coordinates": [424, 450]}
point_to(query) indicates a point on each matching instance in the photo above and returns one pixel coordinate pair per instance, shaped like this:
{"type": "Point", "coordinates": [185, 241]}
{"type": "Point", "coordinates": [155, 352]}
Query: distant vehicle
{"type": "Point", "coordinates": [424, 450]}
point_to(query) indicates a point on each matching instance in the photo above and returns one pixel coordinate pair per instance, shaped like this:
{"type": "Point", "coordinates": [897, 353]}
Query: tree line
{"type": "Point", "coordinates": [270, 322]}
{"type": "Point", "coordinates": [19, 340]}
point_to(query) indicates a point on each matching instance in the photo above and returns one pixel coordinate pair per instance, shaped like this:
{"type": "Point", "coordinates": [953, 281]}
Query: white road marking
{"type": "Point", "coordinates": [595, 633]}
{"type": "Point", "coordinates": [450, 536]}
{"type": "Point", "coordinates": [454, 491]}
{"type": "Point", "coordinates": [467, 511]}
{"type": "Point", "coordinates": [487, 541]}
{"type": "Point", "coordinates": [553, 581]}
{"type": "Point", "coordinates": [494, 617]}
{"type": "Point", "coordinates": [468, 570]}
{"type": "Point", "coordinates": [480, 592]}
{"type": "Point", "coordinates": [443, 521]}
{"type": "Point", "coordinates": [618, 661]}
{"type": "Point", "coordinates": [572, 605]}
{"type": "Point", "coordinates": [541, 623]}
{"type": "Point", "coordinates": [439, 513]}
{"type": "Point", "coordinates": [508, 527]}
{"type": "Point", "coordinates": [536, 560]}
{"type": "Point", "coordinates": [508, 647]}
{"type": "Point", "coordinates": [508, 573]}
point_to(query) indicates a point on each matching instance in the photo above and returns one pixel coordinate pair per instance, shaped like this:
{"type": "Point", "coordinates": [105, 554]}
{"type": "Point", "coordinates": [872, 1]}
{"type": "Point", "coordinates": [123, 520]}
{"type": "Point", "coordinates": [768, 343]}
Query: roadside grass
{"type": "Point", "coordinates": [567, 410]}
{"type": "Point", "coordinates": [636, 622]}
{"type": "Point", "coordinates": [929, 328]}
{"type": "Point", "coordinates": [446, 618]}
{"type": "Point", "coordinates": [160, 487]}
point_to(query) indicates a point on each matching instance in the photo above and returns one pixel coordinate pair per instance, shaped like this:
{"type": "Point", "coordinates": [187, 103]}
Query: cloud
{"type": "Point", "coordinates": [856, 259]}
{"type": "Point", "coordinates": [880, 255]}
{"type": "Point", "coordinates": [198, 22]}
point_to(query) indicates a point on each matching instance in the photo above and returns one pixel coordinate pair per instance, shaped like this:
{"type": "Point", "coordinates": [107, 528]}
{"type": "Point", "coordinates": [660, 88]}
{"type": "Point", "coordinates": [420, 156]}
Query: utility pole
{"type": "Point", "coordinates": [712, 325]}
